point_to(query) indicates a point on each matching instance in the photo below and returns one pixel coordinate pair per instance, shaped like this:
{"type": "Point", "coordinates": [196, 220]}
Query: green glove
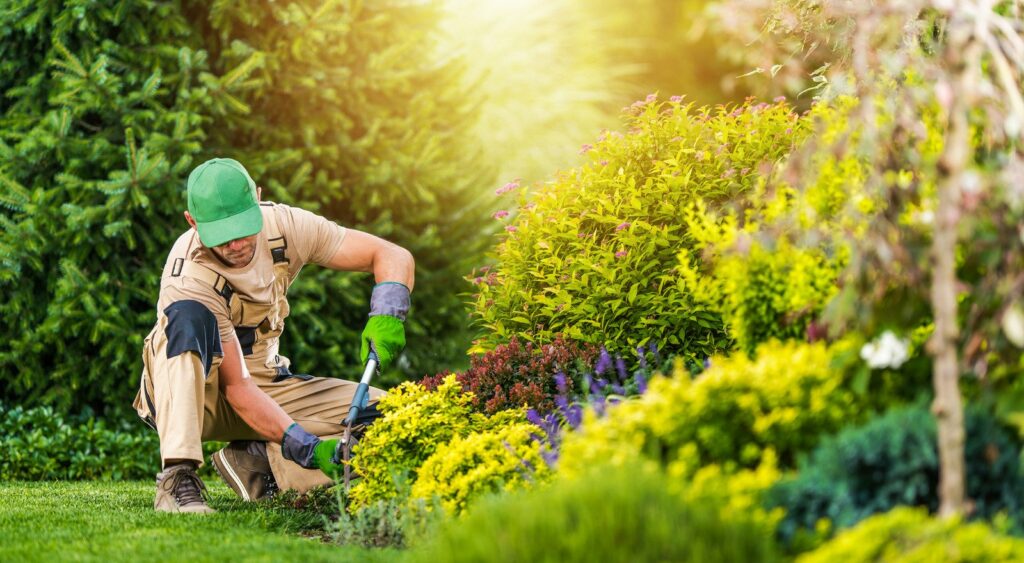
{"type": "Point", "coordinates": [323, 456]}
{"type": "Point", "coordinates": [309, 451]}
{"type": "Point", "coordinates": [387, 334]}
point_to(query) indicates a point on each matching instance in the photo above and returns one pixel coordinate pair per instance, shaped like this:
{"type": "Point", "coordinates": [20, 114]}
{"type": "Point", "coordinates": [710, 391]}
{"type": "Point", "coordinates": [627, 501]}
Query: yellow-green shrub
{"type": "Point", "coordinates": [769, 264]}
{"type": "Point", "coordinates": [503, 459]}
{"type": "Point", "coordinates": [593, 254]}
{"type": "Point", "coordinates": [783, 400]}
{"type": "Point", "coordinates": [415, 422]}
{"type": "Point", "coordinates": [909, 535]}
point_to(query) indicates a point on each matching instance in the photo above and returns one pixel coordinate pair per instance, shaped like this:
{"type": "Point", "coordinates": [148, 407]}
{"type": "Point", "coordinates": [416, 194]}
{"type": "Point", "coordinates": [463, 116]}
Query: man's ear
{"type": "Point", "coordinates": [191, 221]}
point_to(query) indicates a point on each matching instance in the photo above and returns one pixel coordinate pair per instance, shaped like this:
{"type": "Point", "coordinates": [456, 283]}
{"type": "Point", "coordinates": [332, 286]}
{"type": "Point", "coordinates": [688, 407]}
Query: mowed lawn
{"type": "Point", "coordinates": [102, 521]}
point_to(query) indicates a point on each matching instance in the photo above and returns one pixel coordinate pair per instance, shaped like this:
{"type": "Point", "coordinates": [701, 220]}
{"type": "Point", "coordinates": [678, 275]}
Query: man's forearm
{"type": "Point", "coordinates": [395, 264]}
{"type": "Point", "coordinates": [258, 410]}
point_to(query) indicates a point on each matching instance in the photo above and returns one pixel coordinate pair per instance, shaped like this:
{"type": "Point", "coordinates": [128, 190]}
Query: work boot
{"type": "Point", "coordinates": [245, 467]}
{"type": "Point", "coordinates": [179, 489]}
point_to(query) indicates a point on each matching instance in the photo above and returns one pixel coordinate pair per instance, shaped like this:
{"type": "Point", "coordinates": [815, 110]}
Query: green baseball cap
{"type": "Point", "coordinates": [222, 200]}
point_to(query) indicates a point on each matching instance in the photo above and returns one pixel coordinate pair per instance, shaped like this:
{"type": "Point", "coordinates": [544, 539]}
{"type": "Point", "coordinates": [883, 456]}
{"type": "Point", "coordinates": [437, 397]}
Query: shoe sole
{"type": "Point", "coordinates": [227, 473]}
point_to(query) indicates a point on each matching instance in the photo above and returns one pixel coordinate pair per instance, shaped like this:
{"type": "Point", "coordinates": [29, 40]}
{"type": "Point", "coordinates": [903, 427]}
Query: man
{"type": "Point", "coordinates": [211, 367]}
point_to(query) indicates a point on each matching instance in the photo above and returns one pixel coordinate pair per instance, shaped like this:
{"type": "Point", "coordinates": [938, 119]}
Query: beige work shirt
{"type": "Point", "coordinates": [255, 315]}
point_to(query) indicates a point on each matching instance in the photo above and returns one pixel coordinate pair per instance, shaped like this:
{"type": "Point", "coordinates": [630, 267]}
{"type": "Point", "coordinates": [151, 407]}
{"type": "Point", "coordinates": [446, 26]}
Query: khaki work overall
{"type": "Point", "coordinates": [186, 407]}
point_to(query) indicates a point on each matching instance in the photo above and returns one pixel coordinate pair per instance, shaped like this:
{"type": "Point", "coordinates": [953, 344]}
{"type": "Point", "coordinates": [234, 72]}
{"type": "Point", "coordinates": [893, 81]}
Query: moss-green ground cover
{"type": "Point", "coordinates": [103, 521]}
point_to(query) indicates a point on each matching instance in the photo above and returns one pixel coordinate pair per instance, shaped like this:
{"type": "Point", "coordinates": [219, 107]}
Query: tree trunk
{"type": "Point", "coordinates": [962, 58]}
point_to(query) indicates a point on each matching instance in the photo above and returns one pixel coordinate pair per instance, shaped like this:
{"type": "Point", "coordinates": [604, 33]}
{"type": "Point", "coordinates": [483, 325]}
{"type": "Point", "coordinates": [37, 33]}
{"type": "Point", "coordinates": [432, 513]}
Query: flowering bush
{"type": "Point", "coordinates": [415, 422]}
{"type": "Point", "coordinates": [593, 255]}
{"type": "Point", "coordinates": [503, 459]}
{"type": "Point", "coordinates": [517, 375]}
{"type": "Point", "coordinates": [909, 534]}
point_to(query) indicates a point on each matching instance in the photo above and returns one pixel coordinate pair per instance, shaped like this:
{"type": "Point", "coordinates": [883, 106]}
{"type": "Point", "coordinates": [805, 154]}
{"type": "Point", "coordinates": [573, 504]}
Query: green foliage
{"type": "Point", "coordinates": [893, 461]}
{"type": "Point", "coordinates": [610, 515]}
{"type": "Point", "coordinates": [346, 109]}
{"type": "Point", "coordinates": [415, 422]}
{"type": "Point", "coordinates": [501, 460]}
{"type": "Point", "coordinates": [769, 263]}
{"type": "Point", "coordinates": [102, 117]}
{"type": "Point", "coordinates": [385, 523]}
{"type": "Point", "coordinates": [911, 536]}
{"type": "Point", "coordinates": [783, 401]}
{"type": "Point", "coordinates": [593, 254]}
{"type": "Point", "coordinates": [40, 444]}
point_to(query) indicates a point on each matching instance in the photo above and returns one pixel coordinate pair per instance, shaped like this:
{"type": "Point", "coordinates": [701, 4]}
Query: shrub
{"type": "Point", "coordinates": [415, 422]}
{"type": "Point", "coordinates": [893, 461]}
{"type": "Point", "coordinates": [503, 459]}
{"type": "Point", "coordinates": [784, 400]}
{"type": "Point", "coordinates": [769, 264]}
{"type": "Point", "coordinates": [911, 536]}
{"type": "Point", "coordinates": [517, 375]}
{"type": "Point", "coordinates": [593, 254]}
{"type": "Point", "coordinates": [41, 444]}
{"type": "Point", "coordinates": [611, 514]}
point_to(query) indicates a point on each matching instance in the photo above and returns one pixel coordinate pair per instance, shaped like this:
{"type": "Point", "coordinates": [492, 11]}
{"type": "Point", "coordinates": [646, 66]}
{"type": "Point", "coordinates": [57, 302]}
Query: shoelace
{"type": "Point", "coordinates": [188, 488]}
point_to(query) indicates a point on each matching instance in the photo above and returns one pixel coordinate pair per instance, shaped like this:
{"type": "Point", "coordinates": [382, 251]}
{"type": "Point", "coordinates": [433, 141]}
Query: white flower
{"type": "Point", "coordinates": [1013, 326]}
{"type": "Point", "coordinates": [886, 351]}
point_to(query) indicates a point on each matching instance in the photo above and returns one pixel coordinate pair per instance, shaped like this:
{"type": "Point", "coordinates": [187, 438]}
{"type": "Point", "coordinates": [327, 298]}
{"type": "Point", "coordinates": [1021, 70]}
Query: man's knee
{"type": "Point", "coordinates": [191, 327]}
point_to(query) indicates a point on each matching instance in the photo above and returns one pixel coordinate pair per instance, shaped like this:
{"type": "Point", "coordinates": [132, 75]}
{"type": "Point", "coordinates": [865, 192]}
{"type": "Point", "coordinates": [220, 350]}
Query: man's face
{"type": "Point", "coordinates": [236, 253]}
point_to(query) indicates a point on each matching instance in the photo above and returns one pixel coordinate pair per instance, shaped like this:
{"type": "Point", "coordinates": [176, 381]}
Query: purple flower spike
{"type": "Point", "coordinates": [618, 389]}
{"type": "Point", "coordinates": [549, 455]}
{"type": "Point", "coordinates": [620, 366]}
{"type": "Point", "coordinates": [560, 382]}
{"type": "Point", "coordinates": [574, 416]}
{"type": "Point", "coordinates": [534, 417]}
{"type": "Point", "coordinates": [643, 357]}
{"type": "Point", "coordinates": [641, 383]}
{"type": "Point", "coordinates": [597, 386]}
{"type": "Point", "coordinates": [561, 402]}
{"type": "Point", "coordinates": [604, 362]}
{"type": "Point", "coordinates": [654, 352]}
{"type": "Point", "coordinates": [599, 405]}
{"type": "Point", "coordinates": [707, 363]}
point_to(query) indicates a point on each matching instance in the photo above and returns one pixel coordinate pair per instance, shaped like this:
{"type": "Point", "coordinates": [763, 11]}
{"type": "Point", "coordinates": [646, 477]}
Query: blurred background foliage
{"type": "Point", "coordinates": [396, 117]}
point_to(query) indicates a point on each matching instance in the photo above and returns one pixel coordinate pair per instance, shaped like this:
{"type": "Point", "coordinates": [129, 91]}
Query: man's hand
{"type": "Point", "coordinates": [387, 336]}
{"type": "Point", "coordinates": [389, 303]}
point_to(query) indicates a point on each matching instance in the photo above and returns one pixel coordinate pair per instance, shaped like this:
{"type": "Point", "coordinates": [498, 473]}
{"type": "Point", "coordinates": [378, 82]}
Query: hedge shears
{"type": "Point", "coordinates": [359, 402]}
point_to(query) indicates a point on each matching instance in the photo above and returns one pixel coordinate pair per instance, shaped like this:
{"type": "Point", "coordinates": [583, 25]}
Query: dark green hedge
{"type": "Point", "coordinates": [106, 106]}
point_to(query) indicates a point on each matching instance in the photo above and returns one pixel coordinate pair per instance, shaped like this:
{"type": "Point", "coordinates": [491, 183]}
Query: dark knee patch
{"type": "Point", "coordinates": [191, 327]}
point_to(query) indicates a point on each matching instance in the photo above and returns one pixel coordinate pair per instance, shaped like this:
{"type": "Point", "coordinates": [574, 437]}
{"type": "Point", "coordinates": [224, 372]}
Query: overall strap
{"type": "Point", "coordinates": [275, 238]}
{"type": "Point", "coordinates": [218, 282]}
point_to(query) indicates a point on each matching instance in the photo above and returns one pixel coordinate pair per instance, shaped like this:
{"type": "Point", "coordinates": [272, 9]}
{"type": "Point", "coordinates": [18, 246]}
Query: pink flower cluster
{"type": "Point", "coordinates": [500, 214]}
{"type": "Point", "coordinates": [507, 188]}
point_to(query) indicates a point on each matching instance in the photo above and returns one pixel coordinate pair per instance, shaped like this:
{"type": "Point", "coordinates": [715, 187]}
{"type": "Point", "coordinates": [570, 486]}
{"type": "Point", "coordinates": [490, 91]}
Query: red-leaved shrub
{"type": "Point", "coordinates": [514, 375]}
